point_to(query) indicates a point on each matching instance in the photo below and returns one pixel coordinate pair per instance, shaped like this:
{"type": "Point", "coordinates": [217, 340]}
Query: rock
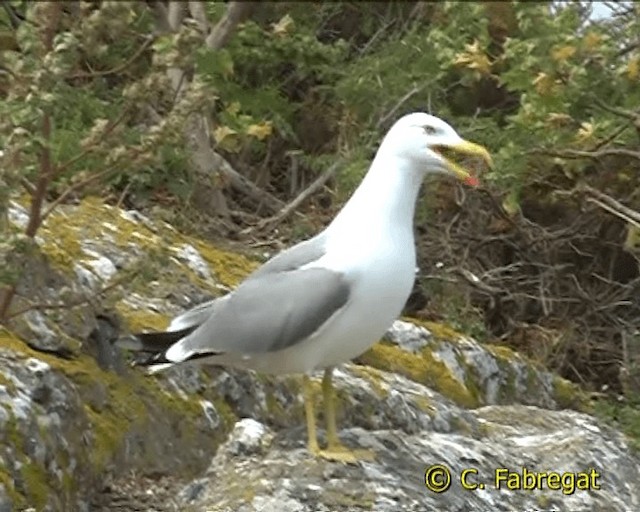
{"type": "Point", "coordinates": [465, 370]}
{"type": "Point", "coordinates": [281, 475]}
{"type": "Point", "coordinates": [83, 432]}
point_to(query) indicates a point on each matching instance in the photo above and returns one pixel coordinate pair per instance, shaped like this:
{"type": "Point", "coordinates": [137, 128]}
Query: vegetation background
{"type": "Point", "coordinates": [252, 122]}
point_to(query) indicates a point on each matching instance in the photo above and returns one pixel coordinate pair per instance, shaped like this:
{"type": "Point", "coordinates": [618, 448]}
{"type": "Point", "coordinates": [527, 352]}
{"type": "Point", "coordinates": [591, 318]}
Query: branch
{"type": "Point", "coordinates": [199, 14]}
{"type": "Point", "coordinates": [118, 69]}
{"type": "Point", "coordinates": [242, 184]}
{"type": "Point", "coordinates": [613, 206]}
{"type": "Point", "coordinates": [601, 153]}
{"type": "Point", "coordinates": [300, 198]}
{"type": "Point", "coordinates": [13, 16]}
{"type": "Point", "coordinates": [401, 102]}
{"type": "Point", "coordinates": [44, 178]}
{"type": "Point", "coordinates": [53, 17]}
{"type": "Point", "coordinates": [107, 131]}
{"type": "Point", "coordinates": [46, 166]}
{"type": "Point", "coordinates": [175, 15]}
{"type": "Point", "coordinates": [627, 114]}
{"type": "Point", "coordinates": [204, 158]}
{"type": "Point", "coordinates": [236, 13]}
{"type": "Point", "coordinates": [162, 16]}
{"type": "Point", "coordinates": [72, 304]}
{"type": "Point", "coordinates": [76, 186]}
{"type": "Point", "coordinates": [28, 186]}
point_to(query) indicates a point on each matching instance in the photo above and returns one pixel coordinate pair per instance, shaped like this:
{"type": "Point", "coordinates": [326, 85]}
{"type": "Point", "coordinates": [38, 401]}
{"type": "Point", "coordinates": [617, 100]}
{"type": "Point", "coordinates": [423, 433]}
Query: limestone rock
{"type": "Point", "coordinates": [81, 431]}
{"type": "Point", "coordinates": [283, 476]}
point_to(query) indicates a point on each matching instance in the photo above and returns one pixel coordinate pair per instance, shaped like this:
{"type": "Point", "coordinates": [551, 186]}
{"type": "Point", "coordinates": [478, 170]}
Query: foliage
{"type": "Point", "coordinates": [553, 93]}
{"type": "Point", "coordinates": [624, 415]}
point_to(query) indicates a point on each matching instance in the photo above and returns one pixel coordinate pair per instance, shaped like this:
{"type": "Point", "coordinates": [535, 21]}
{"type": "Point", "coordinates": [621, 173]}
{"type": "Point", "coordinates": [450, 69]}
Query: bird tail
{"type": "Point", "coordinates": [151, 347]}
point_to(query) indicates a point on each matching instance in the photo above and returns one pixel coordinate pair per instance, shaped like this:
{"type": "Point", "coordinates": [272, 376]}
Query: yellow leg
{"type": "Point", "coordinates": [309, 410]}
{"type": "Point", "coordinates": [330, 409]}
{"type": "Point", "coordinates": [335, 449]}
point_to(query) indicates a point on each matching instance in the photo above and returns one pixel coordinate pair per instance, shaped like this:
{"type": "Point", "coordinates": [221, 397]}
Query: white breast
{"type": "Point", "coordinates": [379, 291]}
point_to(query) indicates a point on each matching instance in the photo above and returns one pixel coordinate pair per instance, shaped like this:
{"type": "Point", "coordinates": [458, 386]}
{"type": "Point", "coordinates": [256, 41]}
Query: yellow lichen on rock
{"type": "Point", "coordinates": [421, 367]}
{"type": "Point", "coordinates": [439, 330]}
{"type": "Point", "coordinates": [373, 377]}
{"type": "Point", "coordinates": [98, 224]}
{"type": "Point", "coordinates": [142, 321]}
{"type": "Point", "coordinates": [569, 395]}
{"type": "Point", "coordinates": [107, 409]}
{"type": "Point", "coordinates": [229, 268]}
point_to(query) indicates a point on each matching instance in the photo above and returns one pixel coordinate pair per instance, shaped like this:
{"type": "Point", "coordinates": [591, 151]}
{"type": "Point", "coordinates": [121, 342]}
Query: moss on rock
{"type": "Point", "coordinates": [569, 395]}
{"type": "Point", "coordinates": [108, 410]}
{"type": "Point", "coordinates": [421, 367]}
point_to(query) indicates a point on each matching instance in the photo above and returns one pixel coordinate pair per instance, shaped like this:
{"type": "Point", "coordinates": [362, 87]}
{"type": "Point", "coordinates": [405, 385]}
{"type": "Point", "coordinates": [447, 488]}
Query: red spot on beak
{"type": "Point", "coordinates": [472, 181]}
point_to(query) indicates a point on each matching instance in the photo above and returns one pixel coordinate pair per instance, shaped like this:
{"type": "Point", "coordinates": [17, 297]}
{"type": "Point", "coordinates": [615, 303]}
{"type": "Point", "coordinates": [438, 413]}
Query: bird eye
{"type": "Point", "coordinates": [429, 130]}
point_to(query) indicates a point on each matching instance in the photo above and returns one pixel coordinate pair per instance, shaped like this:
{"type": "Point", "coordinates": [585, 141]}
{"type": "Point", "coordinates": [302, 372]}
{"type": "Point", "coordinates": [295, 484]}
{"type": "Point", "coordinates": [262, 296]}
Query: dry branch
{"type": "Point", "coordinates": [612, 206]}
{"type": "Point", "coordinates": [118, 69]}
{"type": "Point", "coordinates": [46, 170]}
{"type": "Point", "coordinates": [557, 287]}
{"type": "Point", "coordinates": [196, 9]}
{"type": "Point", "coordinates": [600, 153]}
{"type": "Point", "coordinates": [204, 158]}
{"type": "Point", "coordinates": [272, 222]}
{"type": "Point", "coordinates": [415, 90]}
{"type": "Point", "coordinates": [208, 162]}
{"type": "Point", "coordinates": [236, 13]}
{"type": "Point", "coordinates": [43, 306]}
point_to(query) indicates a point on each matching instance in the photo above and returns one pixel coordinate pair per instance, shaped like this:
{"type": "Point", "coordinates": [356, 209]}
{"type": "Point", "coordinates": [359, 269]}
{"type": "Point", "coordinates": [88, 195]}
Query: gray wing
{"type": "Point", "coordinates": [290, 259]}
{"type": "Point", "coordinates": [267, 313]}
{"type": "Point", "coordinates": [293, 258]}
{"type": "Point", "coordinates": [193, 317]}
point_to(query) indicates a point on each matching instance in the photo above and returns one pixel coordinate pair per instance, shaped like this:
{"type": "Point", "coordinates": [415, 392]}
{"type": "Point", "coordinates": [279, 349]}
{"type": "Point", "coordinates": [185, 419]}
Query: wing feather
{"type": "Point", "coordinates": [267, 313]}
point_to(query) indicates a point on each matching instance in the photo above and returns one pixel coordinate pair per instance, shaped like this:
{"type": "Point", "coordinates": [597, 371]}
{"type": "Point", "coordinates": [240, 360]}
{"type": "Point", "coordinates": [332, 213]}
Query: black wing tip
{"type": "Point", "coordinates": [151, 359]}
{"type": "Point", "coordinates": [160, 358]}
{"type": "Point", "coordinates": [152, 342]}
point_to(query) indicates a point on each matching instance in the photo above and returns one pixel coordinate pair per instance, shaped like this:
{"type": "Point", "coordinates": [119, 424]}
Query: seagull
{"type": "Point", "coordinates": [325, 300]}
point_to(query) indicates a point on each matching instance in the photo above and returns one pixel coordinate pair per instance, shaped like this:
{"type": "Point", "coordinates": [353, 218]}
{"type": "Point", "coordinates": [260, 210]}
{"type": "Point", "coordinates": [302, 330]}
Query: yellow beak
{"type": "Point", "coordinates": [463, 148]}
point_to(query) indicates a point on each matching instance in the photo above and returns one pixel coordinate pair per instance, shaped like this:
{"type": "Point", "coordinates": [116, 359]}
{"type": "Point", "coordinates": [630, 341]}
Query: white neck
{"type": "Point", "coordinates": [386, 198]}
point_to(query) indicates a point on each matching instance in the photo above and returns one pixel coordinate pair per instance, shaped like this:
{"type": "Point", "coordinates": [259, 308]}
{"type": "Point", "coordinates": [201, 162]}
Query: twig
{"type": "Point", "coordinates": [118, 69]}
{"type": "Point", "coordinates": [608, 140]}
{"type": "Point", "coordinates": [627, 49]}
{"type": "Point", "coordinates": [76, 186]}
{"type": "Point", "coordinates": [574, 153]}
{"type": "Point", "coordinates": [28, 186]}
{"type": "Point", "coordinates": [300, 198]}
{"type": "Point", "coordinates": [108, 130]}
{"type": "Point", "coordinates": [124, 193]}
{"type": "Point", "coordinates": [73, 304]}
{"type": "Point", "coordinates": [614, 211]}
{"type": "Point", "coordinates": [400, 102]}
{"type": "Point", "coordinates": [476, 282]}
{"type": "Point", "coordinates": [243, 184]}
{"type": "Point", "coordinates": [627, 114]}
{"type": "Point", "coordinates": [199, 14]}
{"type": "Point", "coordinates": [236, 13]}
{"type": "Point", "coordinates": [374, 38]}
{"type": "Point", "coordinates": [611, 205]}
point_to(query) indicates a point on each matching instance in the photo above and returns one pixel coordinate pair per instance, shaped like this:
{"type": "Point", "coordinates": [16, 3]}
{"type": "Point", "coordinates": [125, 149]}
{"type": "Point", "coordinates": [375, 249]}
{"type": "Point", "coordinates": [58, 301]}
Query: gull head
{"type": "Point", "coordinates": [430, 144]}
